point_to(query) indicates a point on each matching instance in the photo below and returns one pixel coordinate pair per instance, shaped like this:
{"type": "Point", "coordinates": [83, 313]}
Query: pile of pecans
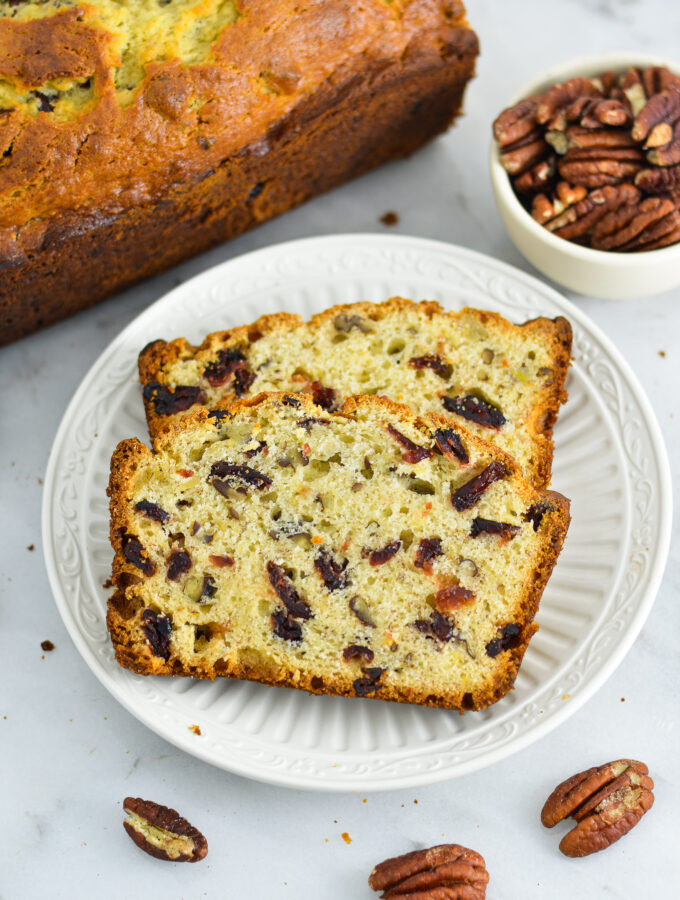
{"type": "Point", "coordinates": [597, 160]}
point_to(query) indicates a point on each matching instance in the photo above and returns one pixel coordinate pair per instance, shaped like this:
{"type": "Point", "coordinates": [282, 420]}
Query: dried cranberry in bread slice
{"type": "Point", "coordinates": [502, 381]}
{"type": "Point", "coordinates": [365, 552]}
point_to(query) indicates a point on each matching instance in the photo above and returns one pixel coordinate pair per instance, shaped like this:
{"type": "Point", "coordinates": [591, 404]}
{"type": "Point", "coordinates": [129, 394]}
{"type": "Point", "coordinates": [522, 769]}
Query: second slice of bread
{"type": "Point", "coordinates": [502, 381]}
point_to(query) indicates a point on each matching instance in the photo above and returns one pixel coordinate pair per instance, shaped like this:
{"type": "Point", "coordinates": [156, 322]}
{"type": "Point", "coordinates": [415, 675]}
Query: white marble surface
{"type": "Point", "coordinates": [69, 753]}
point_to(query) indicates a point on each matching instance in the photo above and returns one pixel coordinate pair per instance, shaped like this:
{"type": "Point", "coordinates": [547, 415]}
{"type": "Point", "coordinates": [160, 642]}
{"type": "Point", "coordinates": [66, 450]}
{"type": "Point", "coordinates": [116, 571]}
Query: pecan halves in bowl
{"type": "Point", "coordinates": [606, 802]}
{"type": "Point", "coordinates": [444, 872]}
{"type": "Point", "coordinates": [162, 832]}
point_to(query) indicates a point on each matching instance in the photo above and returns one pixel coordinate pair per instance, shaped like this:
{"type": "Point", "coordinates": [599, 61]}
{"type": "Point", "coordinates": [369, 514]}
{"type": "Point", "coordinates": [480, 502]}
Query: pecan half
{"type": "Point", "coordinates": [654, 123]}
{"type": "Point", "coordinates": [537, 178]}
{"type": "Point", "coordinates": [516, 123]}
{"type": "Point", "coordinates": [552, 107]}
{"type": "Point", "coordinates": [343, 322]}
{"type": "Point", "coordinates": [595, 167]}
{"type": "Point", "coordinates": [162, 832]}
{"type": "Point", "coordinates": [579, 219]}
{"type": "Point", "coordinates": [637, 224]}
{"type": "Point", "coordinates": [606, 801]}
{"type": "Point", "coordinates": [659, 180]}
{"type": "Point", "coordinates": [444, 872]}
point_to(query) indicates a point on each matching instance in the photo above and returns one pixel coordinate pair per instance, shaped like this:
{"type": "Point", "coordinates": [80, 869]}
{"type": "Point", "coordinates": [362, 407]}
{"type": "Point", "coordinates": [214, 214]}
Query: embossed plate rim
{"type": "Point", "coordinates": [358, 771]}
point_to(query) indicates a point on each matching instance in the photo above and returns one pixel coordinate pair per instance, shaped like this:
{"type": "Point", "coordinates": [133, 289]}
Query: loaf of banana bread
{"type": "Point", "coordinates": [362, 552]}
{"type": "Point", "coordinates": [133, 135]}
{"type": "Point", "coordinates": [502, 381]}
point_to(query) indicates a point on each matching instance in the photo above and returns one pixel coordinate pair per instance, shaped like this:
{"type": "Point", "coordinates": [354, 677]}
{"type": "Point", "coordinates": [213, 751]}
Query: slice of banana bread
{"type": "Point", "coordinates": [502, 381]}
{"type": "Point", "coordinates": [365, 552]}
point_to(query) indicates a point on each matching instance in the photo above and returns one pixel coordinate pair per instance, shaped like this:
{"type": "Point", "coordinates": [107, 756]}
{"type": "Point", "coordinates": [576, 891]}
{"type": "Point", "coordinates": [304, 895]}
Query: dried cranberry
{"type": "Point", "coordinates": [284, 587]}
{"type": "Point", "coordinates": [332, 572]}
{"type": "Point", "coordinates": [378, 557]}
{"type": "Point", "coordinates": [355, 651]}
{"type": "Point", "coordinates": [179, 563]}
{"type": "Point", "coordinates": [428, 549]}
{"type": "Point", "coordinates": [152, 510]}
{"type": "Point", "coordinates": [509, 638]}
{"type": "Point", "coordinates": [488, 526]}
{"type": "Point", "coordinates": [137, 555]}
{"type": "Point", "coordinates": [219, 415]}
{"type": "Point", "coordinates": [535, 514]}
{"type": "Point", "coordinates": [308, 421]}
{"type": "Point", "coordinates": [46, 103]}
{"type": "Point", "coordinates": [474, 409]}
{"type": "Point", "coordinates": [260, 447]}
{"type": "Point", "coordinates": [437, 626]}
{"type": "Point", "coordinates": [369, 684]}
{"type": "Point", "coordinates": [221, 369]}
{"type": "Point", "coordinates": [436, 363]}
{"type": "Point", "coordinates": [414, 453]}
{"type": "Point", "coordinates": [167, 402]}
{"type": "Point", "coordinates": [221, 562]}
{"type": "Point", "coordinates": [285, 627]}
{"type": "Point", "coordinates": [450, 445]}
{"type": "Point", "coordinates": [227, 472]}
{"type": "Point", "coordinates": [325, 397]}
{"type": "Point", "coordinates": [469, 493]}
{"type": "Point", "coordinates": [243, 380]}
{"type": "Point", "coordinates": [449, 599]}
{"type": "Point", "coordinates": [209, 588]}
{"type": "Point", "coordinates": [157, 629]}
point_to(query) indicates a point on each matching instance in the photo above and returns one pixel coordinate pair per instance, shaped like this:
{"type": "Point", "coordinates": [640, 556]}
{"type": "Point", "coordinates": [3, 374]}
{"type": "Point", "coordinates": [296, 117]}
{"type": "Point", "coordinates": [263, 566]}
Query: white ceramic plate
{"type": "Point", "coordinates": [610, 461]}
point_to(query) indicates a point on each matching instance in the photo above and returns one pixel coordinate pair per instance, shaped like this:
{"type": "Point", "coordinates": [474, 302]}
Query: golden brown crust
{"type": "Point", "coordinates": [133, 651]}
{"type": "Point", "coordinates": [159, 356]}
{"type": "Point", "coordinates": [237, 149]}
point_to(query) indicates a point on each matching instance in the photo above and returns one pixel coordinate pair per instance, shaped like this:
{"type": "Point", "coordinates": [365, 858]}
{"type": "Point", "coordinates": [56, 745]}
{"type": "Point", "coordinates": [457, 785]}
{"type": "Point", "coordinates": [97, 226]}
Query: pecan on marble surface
{"type": "Point", "coordinates": [162, 832]}
{"type": "Point", "coordinates": [605, 801]}
{"type": "Point", "coordinates": [444, 872]}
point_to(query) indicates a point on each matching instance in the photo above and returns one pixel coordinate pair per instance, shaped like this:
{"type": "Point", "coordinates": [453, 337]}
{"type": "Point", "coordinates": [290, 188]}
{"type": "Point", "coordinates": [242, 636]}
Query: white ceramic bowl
{"type": "Point", "coordinates": [615, 276]}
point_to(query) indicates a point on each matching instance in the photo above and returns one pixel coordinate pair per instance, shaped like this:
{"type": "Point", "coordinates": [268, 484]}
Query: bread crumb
{"type": "Point", "coordinates": [390, 218]}
{"type": "Point", "coordinates": [662, 353]}
{"type": "Point", "coordinates": [31, 547]}
{"type": "Point", "coordinates": [47, 646]}
{"type": "Point", "coordinates": [365, 800]}
{"type": "Point", "coordinates": [623, 699]}
{"type": "Point", "coordinates": [346, 838]}
{"type": "Point", "coordinates": [196, 729]}
{"type": "Point", "coordinates": [566, 696]}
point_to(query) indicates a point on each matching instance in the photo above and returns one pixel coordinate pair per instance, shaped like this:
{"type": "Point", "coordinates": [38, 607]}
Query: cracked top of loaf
{"type": "Point", "coordinates": [107, 105]}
